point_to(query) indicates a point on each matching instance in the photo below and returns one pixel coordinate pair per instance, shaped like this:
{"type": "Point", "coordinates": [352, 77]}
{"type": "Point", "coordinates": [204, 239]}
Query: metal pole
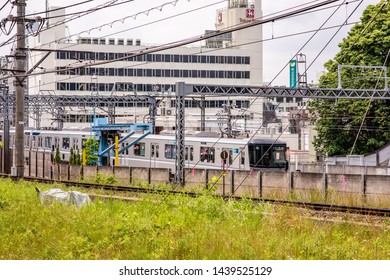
{"type": "Point", "coordinates": [6, 153]}
{"type": "Point", "coordinates": [19, 83]}
{"type": "Point", "coordinates": [116, 151]}
{"type": "Point", "coordinates": [180, 115]}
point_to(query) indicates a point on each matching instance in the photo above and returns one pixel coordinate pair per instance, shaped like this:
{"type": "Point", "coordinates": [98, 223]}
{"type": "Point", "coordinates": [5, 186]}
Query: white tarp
{"type": "Point", "coordinates": [58, 195]}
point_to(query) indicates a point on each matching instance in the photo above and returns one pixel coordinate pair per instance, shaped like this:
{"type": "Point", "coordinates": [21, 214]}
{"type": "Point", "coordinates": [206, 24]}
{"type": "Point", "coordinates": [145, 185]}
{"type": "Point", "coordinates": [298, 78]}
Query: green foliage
{"type": "Point", "coordinates": [339, 123]}
{"type": "Point", "coordinates": [71, 157]}
{"type": "Point", "coordinates": [99, 178]}
{"type": "Point", "coordinates": [175, 228]}
{"type": "Point", "coordinates": [77, 157]}
{"type": "Point", "coordinates": [57, 157]}
{"type": "Point", "coordinates": [90, 148]}
{"type": "Point", "coordinates": [110, 180]}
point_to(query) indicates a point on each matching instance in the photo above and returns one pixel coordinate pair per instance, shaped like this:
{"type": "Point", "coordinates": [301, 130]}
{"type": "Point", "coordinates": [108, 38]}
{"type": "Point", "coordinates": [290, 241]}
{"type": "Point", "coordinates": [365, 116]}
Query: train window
{"type": "Point", "coordinates": [139, 149]}
{"type": "Point", "coordinates": [154, 150]}
{"type": "Point", "coordinates": [207, 154]}
{"type": "Point", "coordinates": [242, 157]}
{"type": "Point", "coordinates": [170, 151]}
{"type": "Point", "coordinates": [75, 143]}
{"type": "Point", "coordinates": [47, 142]}
{"type": "Point", "coordinates": [34, 142]}
{"type": "Point", "coordinates": [40, 142]}
{"type": "Point", "coordinates": [27, 141]}
{"type": "Point", "coordinates": [56, 142]}
{"type": "Point", "coordinates": [189, 153]}
{"type": "Point", "coordinates": [65, 142]}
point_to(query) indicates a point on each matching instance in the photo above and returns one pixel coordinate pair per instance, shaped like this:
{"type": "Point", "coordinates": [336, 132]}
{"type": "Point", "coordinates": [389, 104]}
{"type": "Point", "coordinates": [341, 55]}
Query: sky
{"type": "Point", "coordinates": [136, 21]}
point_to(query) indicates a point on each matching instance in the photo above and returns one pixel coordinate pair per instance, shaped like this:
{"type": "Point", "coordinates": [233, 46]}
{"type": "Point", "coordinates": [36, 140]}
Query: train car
{"type": "Point", "coordinates": [159, 151]}
{"type": "Point", "coordinates": [49, 140]}
{"type": "Point", "coordinates": [207, 153]}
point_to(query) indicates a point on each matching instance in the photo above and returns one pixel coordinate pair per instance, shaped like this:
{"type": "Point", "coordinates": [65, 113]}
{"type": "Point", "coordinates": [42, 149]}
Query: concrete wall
{"type": "Point", "coordinates": [122, 175]}
{"type": "Point", "coordinates": [89, 173]}
{"type": "Point", "coordinates": [367, 181]}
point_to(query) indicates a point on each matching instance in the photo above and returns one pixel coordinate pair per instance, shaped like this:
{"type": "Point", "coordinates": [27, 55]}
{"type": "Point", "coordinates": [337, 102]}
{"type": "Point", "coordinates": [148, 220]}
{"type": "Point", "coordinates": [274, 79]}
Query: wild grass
{"type": "Point", "coordinates": [174, 227]}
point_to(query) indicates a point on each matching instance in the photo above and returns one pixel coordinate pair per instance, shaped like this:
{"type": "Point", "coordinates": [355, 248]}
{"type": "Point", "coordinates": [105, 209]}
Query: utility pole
{"type": "Point", "coordinates": [6, 151]}
{"type": "Point", "coordinates": [20, 57]}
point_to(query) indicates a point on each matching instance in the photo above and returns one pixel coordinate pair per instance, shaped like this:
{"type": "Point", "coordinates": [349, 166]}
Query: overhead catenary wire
{"type": "Point", "coordinates": [88, 31]}
{"type": "Point", "coordinates": [193, 53]}
{"type": "Point", "coordinates": [5, 4]}
{"type": "Point", "coordinates": [299, 109]}
{"type": "Point", "coordinates": [368, 108]}
{"type": "Point", "coordinates": [191, 40]}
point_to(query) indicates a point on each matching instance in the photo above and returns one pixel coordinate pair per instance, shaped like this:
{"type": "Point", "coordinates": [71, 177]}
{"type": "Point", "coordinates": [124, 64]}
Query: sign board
{"type": "Point", "coordinates": [293, 73]}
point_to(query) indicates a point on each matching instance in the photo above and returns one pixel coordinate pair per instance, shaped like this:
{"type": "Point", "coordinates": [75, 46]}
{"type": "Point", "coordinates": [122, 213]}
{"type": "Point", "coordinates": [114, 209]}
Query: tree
{"type": "Point", "coordinates": [77, 158]}
{"type": "Point", "coordinates": [57, 157]}
{"type": "Point", "coordinates": [339, 123]}
{"type": "Point", "coordinates": [90, 147]}
{"type": "Point", "coordinates": [71, 157]}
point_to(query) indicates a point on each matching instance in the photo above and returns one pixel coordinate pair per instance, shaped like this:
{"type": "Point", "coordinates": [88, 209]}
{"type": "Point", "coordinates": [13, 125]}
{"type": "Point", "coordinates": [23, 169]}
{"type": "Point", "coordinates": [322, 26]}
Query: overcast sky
{"type": "Point", "coordinates": [277, 52]}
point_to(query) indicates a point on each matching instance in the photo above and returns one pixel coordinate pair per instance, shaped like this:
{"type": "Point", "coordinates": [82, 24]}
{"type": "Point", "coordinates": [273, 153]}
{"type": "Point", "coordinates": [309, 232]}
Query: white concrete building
{"type": "Point", "coordinates": [230, 59]}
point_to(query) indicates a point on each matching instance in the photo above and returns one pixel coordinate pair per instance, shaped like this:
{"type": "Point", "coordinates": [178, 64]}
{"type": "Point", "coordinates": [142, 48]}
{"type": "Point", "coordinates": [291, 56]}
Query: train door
{"type": "Point", "coordinates": [241, 156]}
{"type": "Point", "coordinates": [188, 155]}
{"type": "Point", "coordinates": [227, 163]}
{"type": "Point", "coordinates": [154, 154]}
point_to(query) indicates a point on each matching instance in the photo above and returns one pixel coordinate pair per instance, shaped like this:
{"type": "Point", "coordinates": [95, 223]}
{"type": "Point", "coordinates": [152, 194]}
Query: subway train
{"type": "Point", "coordinates": [159, 151]}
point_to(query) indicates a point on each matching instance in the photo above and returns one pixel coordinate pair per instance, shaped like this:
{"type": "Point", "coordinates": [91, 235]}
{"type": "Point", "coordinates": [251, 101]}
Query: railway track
{"type": "Point", "coordinates": [324, 207]}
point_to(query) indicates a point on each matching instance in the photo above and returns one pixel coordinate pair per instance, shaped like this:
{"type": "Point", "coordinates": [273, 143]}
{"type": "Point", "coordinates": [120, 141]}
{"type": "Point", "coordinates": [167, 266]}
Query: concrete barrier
{"type": "Point", "coordinates": [363, 181]}
{"type": "Point", "coordinates": [122, 175]}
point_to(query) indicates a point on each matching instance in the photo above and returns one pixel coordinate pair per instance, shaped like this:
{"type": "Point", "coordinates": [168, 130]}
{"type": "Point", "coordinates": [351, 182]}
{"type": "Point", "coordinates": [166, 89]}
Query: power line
{"type": "Point", "coordinates": [57, 9]}
{"type": "Point", "coordinates": [275, 107]}
{"type": "Point", "coordinates": [5, 4]}
{"type": "Point", "coordinates": [157, 21]}
{"type": "Point", "coordinates": [191, 40]}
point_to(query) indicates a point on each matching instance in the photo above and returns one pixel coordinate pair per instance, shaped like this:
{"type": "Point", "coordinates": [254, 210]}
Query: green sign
{"type": "Point", "coordinates": [293, 74]}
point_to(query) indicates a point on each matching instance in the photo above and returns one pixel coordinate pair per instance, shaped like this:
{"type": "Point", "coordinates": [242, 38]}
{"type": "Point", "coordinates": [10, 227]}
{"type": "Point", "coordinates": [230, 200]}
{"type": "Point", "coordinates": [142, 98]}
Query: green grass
{"type": "Point", "coordinates": [174, 227]}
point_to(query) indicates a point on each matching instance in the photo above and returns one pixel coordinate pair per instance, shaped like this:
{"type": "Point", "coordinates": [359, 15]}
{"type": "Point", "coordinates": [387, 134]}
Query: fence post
{"type": "Point", "coordinates": [130, 175]}
{"type": "Point", "coordinates": [232, 182]}
{"type": "Point", "coordinates": [43, 164]}
{"type": "Point", "coordinates": [260, 184]}
{"type": "Point", "coordinates": [207, 178]}
{"type": "Point", "coordinates": [291, 181]}
{"type": "Point", "coordinates": [364, 186]}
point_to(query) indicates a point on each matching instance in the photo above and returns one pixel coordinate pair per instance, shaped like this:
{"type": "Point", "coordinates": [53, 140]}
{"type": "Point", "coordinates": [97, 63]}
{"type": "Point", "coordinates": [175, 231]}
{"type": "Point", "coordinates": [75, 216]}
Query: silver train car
{"type": "Point", "coordinates": [159, 151]}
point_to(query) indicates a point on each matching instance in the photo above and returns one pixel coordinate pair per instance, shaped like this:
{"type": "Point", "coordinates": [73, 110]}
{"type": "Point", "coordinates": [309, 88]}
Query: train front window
{"type": "Point", "coordinates": [279, 155]}
{"type": "Point", "coordinates": [266, 156]}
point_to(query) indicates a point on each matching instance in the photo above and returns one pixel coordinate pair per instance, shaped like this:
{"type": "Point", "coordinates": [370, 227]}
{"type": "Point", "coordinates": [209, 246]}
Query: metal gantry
{"type": "Point", "coordinates": [55, 104]}
{"type": "Point", "coordinates": [183, 90]}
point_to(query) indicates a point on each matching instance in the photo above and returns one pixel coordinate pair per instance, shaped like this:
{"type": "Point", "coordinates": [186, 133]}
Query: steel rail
{"type": "Point", "coordinates": [323, 207]}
